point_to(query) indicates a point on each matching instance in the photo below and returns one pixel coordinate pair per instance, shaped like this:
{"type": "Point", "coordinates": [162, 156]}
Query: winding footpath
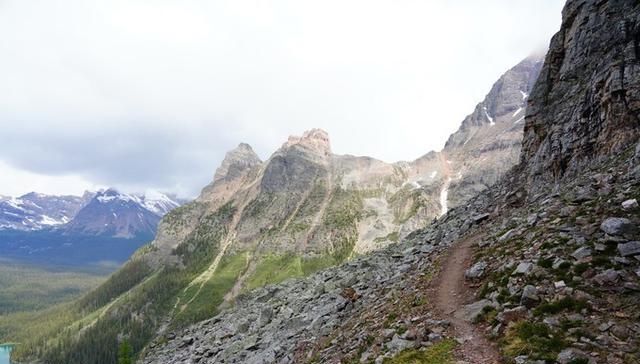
{"type": "Point", "coordinates": [451, 294]}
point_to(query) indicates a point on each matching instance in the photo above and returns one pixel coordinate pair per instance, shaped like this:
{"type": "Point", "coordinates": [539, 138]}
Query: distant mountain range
{"type": "Point", "coordinates": [102, 226]}
{"type": "Point", "coordinates": [35, 211]}
{"type": "Point", "coordinates": [119, 214]}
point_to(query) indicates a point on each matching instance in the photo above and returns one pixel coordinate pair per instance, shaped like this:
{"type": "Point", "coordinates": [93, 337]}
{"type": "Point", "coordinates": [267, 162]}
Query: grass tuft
{"type": "Point", "coordinates": [536, 340]}
{"type": "Point", "coordinates": [440, 353]}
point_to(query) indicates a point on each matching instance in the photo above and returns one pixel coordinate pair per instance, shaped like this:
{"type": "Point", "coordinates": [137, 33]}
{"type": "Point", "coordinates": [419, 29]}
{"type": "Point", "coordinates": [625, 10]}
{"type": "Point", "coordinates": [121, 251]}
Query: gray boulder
{"type": "Point", "coordinates": [617, 226]}
{"type": "Point", "coordinates": [476, 271]}
{"type": "Point", "coordinates": [473, 311]}
{"type": "Point", "coordinates": [508, 235]}
{"type": "Point", "coordinates": [529, 296]}
{"type": "Point", "coordinates": [480, 218]}
{"type": "Point", "coordinates": [607, 277]}
{"type": "Point", "coordinates": [398, 344]}
{"type": "Point", "coordinates": [524, 268]}
{"type": "Point", "coordinates": [630, 204]}
{"type": "Point", "coordinates": [629, 249]}
{"type": "Point", "coordinates": [570, 355]}
{"type": "Point", "coordinates": [581, 253]}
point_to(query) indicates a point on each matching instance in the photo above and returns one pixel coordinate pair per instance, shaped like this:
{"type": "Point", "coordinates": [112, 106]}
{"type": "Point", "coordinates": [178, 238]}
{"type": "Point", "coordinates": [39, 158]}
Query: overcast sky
{"type": "Point", "coordinates": [151, 94]}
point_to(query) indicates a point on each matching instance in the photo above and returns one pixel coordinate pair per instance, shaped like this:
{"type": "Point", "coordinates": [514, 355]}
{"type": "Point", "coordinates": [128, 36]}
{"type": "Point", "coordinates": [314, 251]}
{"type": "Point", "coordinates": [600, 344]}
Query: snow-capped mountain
{"type": "Point", "coordinates": [104, 212]}
{"type": "Point", "coordinates": [115, 214]}
{"type": "Point", "coordinates": [102, 226]}
{"type": "Point", "coordinates": [35, 211]}
{"type": "Point", "coordinates": [159, 203]}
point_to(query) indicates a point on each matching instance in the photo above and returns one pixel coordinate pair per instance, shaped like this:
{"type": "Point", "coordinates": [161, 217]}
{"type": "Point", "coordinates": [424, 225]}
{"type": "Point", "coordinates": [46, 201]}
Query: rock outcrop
{"type": "Point", "coordinates": [236, 162]}
{"type": "Point", "coordinates": [585, 106]}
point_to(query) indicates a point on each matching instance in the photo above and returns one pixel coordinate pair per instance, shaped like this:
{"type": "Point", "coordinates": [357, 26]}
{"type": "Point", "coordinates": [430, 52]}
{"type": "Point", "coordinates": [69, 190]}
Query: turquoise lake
{"type": "Point", "coordinates": [4, 354]}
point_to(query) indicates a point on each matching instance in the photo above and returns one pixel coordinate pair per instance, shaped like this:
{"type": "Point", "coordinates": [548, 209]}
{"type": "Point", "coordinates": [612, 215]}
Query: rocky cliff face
{"type": "Point", "coordinates": [586, 105]}
{"type": "Point", "coordinates": [236, 163]}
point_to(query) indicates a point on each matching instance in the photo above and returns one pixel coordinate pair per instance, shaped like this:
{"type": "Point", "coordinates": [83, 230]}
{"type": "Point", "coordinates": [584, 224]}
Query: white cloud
{"type": "Point", "coordinates": [14, 182]}
{"type": "Point", "coordinates": [150, 94]}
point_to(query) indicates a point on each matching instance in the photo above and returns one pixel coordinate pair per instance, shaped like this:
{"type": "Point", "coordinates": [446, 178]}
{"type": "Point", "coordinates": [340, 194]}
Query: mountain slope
{"type": "Point", "coordinates": [555, 274]}
{"type": "Point", "coordinates": [261, 222]}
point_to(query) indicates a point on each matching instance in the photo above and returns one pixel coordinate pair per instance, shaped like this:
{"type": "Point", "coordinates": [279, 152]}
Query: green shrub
{"type": "Point", "coordinates": [579, 361]}
{"type": "Point", "coordinates": [580, 268]}
{"type": "Point", "coordinates": [440, 353]}
{"type": "Point", "coordinates": [545, 262]}
{"type": "Point", "coordinates": [536, 340]}
{"type": "Point", "coordinates": [488, 314]}
{"type": "Point", "coordinates": [564, 304]}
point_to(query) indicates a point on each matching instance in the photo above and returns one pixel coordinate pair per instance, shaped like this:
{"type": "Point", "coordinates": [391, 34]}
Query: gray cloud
{"type": "Point", "coordinates": [150, 94]}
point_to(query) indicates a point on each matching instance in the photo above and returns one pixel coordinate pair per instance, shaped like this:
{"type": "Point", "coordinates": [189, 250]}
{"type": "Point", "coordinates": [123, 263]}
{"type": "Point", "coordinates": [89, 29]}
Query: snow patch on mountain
{"type": "Point", "coordinates": [154, 201]}
{"type": "Point", "coordinates": [158, 203]}
{"type": "Point", "coordinates": [486, 113]}
{"type": "Point", "coordinates": [49, 221]}
{"type": "Point", "coordinates": [517, 112]}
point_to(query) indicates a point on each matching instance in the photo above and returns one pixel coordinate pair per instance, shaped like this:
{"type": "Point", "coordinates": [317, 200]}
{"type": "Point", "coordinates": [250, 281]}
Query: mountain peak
{"type": "Point", "coordinates": [235, 161]}
{"type": "Point", "coordinates": [315, 141]}
{"type": "Point", "coordinates": [32, 195]}
{"type": "Point", "coordinates": [504, 105]}
{"type": "Point", "coordinates": [243, 146]}
{"type": "Point", "coordinates": [316, 133]}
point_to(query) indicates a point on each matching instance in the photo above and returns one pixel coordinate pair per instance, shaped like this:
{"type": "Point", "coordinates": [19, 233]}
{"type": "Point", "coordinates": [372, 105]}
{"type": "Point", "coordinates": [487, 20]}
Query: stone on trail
{"type": "Point", "coordinates": [473, 311]}
{"type": "Point", "coordinates": [476, 271]}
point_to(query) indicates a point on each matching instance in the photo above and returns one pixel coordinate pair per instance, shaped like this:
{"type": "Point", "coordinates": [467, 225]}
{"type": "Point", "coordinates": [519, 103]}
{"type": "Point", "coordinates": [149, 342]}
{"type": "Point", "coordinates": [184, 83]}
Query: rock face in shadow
{"type": "Point", "coordinates": [585, 106]}
{"type": "Point", "coordinates": [295, 166]}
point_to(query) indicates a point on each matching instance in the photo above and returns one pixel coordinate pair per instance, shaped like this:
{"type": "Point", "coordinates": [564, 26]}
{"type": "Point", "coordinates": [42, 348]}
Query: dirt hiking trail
{"type": "Point", "coordinates": [451, 294]}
